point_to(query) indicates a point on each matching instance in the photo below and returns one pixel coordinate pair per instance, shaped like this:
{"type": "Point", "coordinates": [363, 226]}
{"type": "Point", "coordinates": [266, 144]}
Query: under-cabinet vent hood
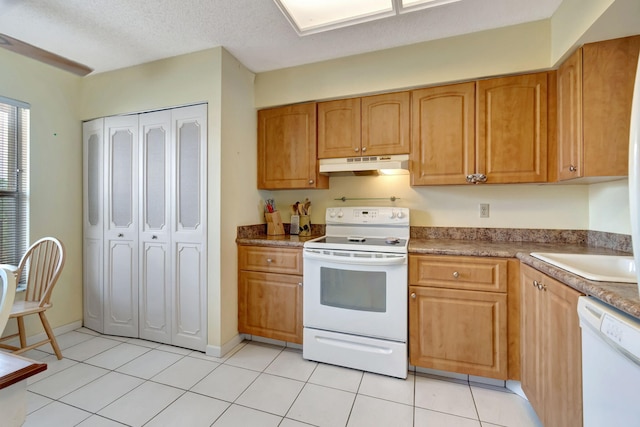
{"type": "Point", "coordinates": [366, 165]}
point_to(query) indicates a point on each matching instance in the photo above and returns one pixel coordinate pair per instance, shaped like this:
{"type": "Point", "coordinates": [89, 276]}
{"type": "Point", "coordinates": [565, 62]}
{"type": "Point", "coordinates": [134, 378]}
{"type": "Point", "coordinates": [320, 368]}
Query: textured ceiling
{"type": "Point", "coordinates": [112, 34]}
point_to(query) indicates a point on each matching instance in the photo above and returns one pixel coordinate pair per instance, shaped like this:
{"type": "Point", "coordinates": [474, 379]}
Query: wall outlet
{"type": "Point", "coordinates": [484, 210]}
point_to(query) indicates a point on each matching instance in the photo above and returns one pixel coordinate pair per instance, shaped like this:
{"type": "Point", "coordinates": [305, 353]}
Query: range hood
{"type": "Point", "coordinates": [366, 165]}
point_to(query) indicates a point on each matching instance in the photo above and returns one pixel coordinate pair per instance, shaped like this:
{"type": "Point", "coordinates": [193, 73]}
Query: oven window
{"type": "Point", "coordinates": [353, 290]}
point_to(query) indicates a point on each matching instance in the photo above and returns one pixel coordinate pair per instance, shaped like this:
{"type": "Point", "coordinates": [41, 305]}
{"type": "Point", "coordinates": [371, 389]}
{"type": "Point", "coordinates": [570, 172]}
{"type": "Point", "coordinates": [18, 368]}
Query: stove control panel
{"type": "Point", "coordinates": [364, 215]}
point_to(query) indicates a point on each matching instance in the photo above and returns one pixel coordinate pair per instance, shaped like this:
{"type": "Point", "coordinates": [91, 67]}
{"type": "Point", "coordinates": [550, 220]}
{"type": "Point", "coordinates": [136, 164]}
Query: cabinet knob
{"type": "Point", "coordinates": [310, 182]}
{"type": "Point", "coordinates": [413, 295]}
{"type": "Point", "coordinates": [154, 237]}
{"type": "Point", "coordinates": [364, 149]}
{"type": "Point", "coordinates": [572, 168]}
{"type": "Point", "coordinates": [356, 149]}
{"type": "Point", "coordinates": [299, 283]}
{"type": "Point", "coordinates": [269, 260]}
{"type": "Point", "coordinates": [120, 235]}
{"type": "Point", "coordinates": [456, 274]}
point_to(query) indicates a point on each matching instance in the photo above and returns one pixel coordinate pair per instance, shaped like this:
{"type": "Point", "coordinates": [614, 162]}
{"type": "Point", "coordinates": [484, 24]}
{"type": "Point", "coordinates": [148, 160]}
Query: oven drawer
{"type": "Point", "coordinates": [270, 260]}
{"type": "Point", "coordinates": [459, 272]}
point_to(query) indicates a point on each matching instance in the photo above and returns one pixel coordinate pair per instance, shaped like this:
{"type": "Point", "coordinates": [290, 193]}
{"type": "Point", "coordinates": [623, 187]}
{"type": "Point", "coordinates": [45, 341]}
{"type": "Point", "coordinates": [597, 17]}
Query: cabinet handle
{"type": "Point", "coordinates": [364, 149]}
{"type": "Point", "coordinates": [572, 168]}
{"type": "Point", "coordinates": [120, 235]}
{"type": "Point", "coordinates": [456, 274]}
{"type": "Point", "coordinates": [413, 295]}
{"type": "Point", "coordinates": [540, 285]}
{"type": "Point", "coordinates": [356, 149]}
{"type": "Point", "coordinates": [310, 182]}
{"type": "Point", "coordinates": [269, 260]}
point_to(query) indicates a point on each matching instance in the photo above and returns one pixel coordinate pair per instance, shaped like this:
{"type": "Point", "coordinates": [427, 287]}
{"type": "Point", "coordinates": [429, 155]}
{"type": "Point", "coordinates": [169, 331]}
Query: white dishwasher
{"type": "Point", "coordinates": [610, 365]}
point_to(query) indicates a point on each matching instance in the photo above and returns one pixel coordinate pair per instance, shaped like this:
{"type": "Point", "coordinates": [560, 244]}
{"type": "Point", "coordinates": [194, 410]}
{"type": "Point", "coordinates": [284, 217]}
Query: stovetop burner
{"type": "Point", "coordinates": [380, 229]}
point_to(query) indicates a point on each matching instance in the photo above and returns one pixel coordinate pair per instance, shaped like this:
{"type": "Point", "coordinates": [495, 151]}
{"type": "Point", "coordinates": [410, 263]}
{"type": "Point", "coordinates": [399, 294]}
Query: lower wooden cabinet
{"type": "Point", "coordinates": [458, 331]}
{"type": "Point", "coordinates": [270, 292]}
{"type": "Point", "coordinates": [458, 314]}
{"type": "Point", "coordinates": [551, 349]}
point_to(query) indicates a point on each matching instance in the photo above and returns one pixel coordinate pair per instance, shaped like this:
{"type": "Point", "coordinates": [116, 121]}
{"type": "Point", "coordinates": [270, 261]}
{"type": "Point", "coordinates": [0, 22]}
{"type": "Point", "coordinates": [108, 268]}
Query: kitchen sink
{"type": "Point", "coordinates": [601, 268]}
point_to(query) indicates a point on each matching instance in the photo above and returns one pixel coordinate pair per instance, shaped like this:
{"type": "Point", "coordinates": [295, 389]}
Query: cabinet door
{"type": "Point", "coordinates": [287, 154]}
{"type": "Point", "coordinates": [443, 138]}
{"type": "Point", "coordinates": [458, 331]}
{"type": "Point", "coordinates": [385, 124]}
{"type": "Point", "coordinates": [562, 355]}
{"type": "Point", "coordinates": [155, 254]}
{"type": "Point", "coordinates": [608, 74]}
{"type": "Point", "coordinates": [93, 223]}
{"type": "Point", "coordinates": [512, 128]}
{"type": "Point", "coordinates": [570, 117]}
{"type": "Point", "coordinates": [270, 305]}
{"type": "Point", "coordinates": [121, 226]}
{"type": "Point", "coordinates": [531, 324]}
{"type": "Point", "coordinates": [339, 128]}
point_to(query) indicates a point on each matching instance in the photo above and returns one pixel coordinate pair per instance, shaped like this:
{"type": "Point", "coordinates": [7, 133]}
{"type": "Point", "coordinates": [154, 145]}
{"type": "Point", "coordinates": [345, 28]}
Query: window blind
{"type": "Point", "coordinates": [14, 180]}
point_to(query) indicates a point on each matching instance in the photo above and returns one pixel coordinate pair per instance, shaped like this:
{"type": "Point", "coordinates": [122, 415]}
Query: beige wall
{"type": "Point", "coordinates": [506, 50]}
{"type": "Point", "coordinates": [238, 177]}
{"type": "Point", "coordinates": [56, 170]}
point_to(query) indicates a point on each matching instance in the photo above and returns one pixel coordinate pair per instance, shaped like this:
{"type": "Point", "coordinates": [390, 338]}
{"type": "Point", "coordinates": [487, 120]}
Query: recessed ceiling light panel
{"type": "Point", "coordinates": [309, 16]}
{"type": "Point", "coordinates": [314, 16]}
{"type": "Point", "coordinates": [413, 5]}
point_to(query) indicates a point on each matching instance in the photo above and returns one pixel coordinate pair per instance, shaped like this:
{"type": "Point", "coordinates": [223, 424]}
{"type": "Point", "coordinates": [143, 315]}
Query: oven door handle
{"type": "Point", "coordinates": [392, 260]}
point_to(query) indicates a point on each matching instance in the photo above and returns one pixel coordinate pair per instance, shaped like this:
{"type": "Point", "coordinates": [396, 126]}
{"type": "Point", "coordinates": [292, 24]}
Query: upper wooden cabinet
{"type": "Point", "coordinates": [495, 129]}
{"type": "Point", "coordinates": [370, 126]}
{"type": "Point", "coordinates": [595, 87]}
{"type": "Point", "coordinates": [443, 134]}
{"type": "Point", "coordinates": [287, 148]}
{"type": "Point", "coordinates": [511, 130]}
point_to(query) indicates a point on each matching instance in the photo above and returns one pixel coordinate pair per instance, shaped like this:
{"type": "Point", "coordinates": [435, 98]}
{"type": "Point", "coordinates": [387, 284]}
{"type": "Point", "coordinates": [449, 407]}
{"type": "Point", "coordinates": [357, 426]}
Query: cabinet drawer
{"type": "Point", "coordinates": [270, 260]}
{"type": "Point", "coordinates": [457, 272]}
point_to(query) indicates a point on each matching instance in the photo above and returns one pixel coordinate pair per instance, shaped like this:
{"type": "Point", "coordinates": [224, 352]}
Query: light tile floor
{"type": "Point", "coordinates": [112, 381]}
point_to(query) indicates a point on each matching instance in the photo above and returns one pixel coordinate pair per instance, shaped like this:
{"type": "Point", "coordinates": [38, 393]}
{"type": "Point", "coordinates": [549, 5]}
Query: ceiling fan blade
{"type": "Point", "coordinates": [42, 55]}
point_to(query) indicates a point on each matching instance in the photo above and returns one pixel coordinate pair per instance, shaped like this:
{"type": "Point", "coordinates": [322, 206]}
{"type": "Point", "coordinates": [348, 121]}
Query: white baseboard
{"type": "Point", "coordinates": [516, 387]}
{"type": "Point", "coordinates": [43, 335]}
{"type": "Point", "coordinates": [220, 351]}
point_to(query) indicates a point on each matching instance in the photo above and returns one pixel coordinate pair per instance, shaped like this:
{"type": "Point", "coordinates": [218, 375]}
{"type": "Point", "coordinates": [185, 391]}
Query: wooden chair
{"type": "Point", "coordinates": [43, 264]}
{"type": "Point", "coordinates": [7, 295]}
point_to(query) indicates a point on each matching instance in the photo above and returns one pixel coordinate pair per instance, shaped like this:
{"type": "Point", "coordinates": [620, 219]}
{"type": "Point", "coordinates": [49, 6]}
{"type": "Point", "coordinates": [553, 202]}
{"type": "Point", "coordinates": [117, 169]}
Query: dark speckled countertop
{"type": "Point", "coordinates": [502, 243]}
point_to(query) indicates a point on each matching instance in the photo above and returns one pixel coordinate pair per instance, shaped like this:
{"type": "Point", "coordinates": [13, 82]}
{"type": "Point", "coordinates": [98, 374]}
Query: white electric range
{"type": "Point", "coordinates": [355, 290]}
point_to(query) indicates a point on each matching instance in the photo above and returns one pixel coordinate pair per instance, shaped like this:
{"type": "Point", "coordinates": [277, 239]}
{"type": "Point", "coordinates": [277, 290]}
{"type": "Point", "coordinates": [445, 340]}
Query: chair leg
{"type": "Point", "coordinates": [47, 328]}
{"type": "Point", "coordinates": [23, 336]}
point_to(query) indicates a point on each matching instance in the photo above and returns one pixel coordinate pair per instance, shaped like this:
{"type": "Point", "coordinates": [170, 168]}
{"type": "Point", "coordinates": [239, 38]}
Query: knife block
{"type": "Point", "coordinates": [274, 223]}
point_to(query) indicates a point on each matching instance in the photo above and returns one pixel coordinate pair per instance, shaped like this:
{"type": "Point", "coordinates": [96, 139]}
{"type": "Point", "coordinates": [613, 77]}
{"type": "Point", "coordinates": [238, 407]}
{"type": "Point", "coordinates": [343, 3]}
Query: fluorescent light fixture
{"type": "Point", "coordinates": [314, 16]}
{"type": "Point", "coordinates": [413, 5]}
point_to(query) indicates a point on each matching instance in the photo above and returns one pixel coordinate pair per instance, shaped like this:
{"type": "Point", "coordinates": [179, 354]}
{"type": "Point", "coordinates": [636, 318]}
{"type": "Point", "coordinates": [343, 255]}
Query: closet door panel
{"type": "Point", "coordinates": [121, 226]}
{"type": "Point", "coordinates": [190, 297]}
{"type": "Point", "coordinates": [93, 224]}
{"type": "Point", "coordinates": [155, 253]}
{"type": "Point", "coordinates": [189, 231]}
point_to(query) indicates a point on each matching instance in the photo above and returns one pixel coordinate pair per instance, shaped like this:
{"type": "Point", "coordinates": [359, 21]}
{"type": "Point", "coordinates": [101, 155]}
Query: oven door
{"type": "Point", "coordinates": [360, 293]}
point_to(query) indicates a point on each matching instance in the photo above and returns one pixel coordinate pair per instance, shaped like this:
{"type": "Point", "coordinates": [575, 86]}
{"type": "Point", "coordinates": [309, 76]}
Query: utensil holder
{"type": "Point", "coordinates": [274, 223]}
{"type": "Point", "coordinates": [305, 225]}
